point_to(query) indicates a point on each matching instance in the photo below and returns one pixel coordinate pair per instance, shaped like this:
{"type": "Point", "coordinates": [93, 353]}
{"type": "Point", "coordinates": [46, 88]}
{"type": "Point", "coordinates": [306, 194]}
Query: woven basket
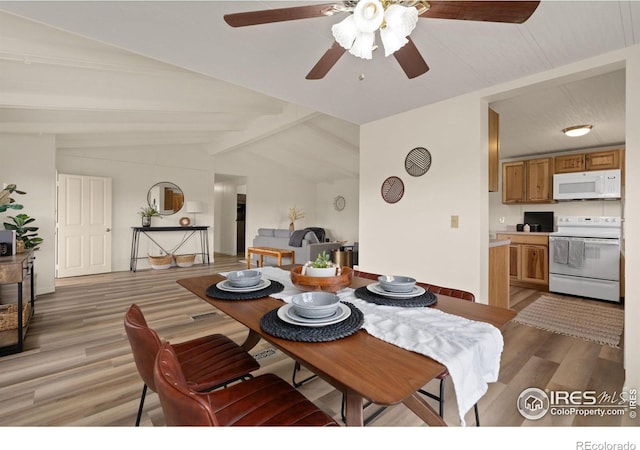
{"type": "Point", "coordinates": [185, 260]}
{"type": "Point", "coordinates": [160, 262]}
{"type": "Point", "coordinates": [9, 316]}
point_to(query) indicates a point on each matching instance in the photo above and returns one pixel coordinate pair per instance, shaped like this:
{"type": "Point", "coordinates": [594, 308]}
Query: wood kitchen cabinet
{"type": "Point", "coordinates": [513, 182]}
{"type": "Point", "coordinates": [528, 181]}
{"type": "Point", "coordinates": [499, 273]}
{"type": "Point", "coordinates": [540, 180]}
{"type": "Point", "coordinates": [584, 162]}
{"type": "Point", "coordinates": [528, 259]}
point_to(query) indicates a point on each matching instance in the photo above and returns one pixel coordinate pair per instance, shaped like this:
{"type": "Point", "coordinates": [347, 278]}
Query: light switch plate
{"type": "Point", "coordinates": [454, 221]}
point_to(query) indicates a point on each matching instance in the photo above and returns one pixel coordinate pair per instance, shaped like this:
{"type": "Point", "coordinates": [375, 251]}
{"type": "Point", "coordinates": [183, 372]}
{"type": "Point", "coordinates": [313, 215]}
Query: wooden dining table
{"type": "Point", "coordinates": [361, 366]}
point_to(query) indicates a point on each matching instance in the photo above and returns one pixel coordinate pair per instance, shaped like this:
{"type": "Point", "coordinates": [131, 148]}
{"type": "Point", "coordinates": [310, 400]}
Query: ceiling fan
{"type": "Point", "coordinates": [394, 19]}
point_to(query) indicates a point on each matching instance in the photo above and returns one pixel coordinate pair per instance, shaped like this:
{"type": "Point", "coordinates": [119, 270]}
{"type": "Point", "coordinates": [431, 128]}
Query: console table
{"type": "Point", "coordinates": [189, 233]}
{"type": "Point", "coordinates": [15, 317]}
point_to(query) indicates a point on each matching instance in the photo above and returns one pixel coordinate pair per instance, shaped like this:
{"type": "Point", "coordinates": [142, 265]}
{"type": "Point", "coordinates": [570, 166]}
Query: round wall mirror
{"type": "Point", "coordinates": [166, 198]}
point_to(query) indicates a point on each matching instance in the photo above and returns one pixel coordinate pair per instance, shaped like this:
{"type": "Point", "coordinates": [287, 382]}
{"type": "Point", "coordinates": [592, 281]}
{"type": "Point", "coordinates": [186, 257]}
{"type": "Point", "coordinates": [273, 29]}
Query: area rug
{"type": "Point", "coordinates": [585, 320]}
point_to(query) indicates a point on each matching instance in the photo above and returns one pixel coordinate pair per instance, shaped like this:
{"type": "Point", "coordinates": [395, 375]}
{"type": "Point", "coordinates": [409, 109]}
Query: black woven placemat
{"type": "Point", "coordinates": [426, 299]}
{"type": "Point", "coordinates": [277, 327]}
{"type": "Point", "coordinates": [214, 292]}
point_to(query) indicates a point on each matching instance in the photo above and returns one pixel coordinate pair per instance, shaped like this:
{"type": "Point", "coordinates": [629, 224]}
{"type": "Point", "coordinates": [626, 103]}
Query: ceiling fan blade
{"type": "Point", "coordinates": [328, 60]}
{"type": "Point", "coordinates": [411, 60]}
{"type": "Point", "coordinates": [486, 11]}
{"type": "Point", "coordinates": [277, 15]}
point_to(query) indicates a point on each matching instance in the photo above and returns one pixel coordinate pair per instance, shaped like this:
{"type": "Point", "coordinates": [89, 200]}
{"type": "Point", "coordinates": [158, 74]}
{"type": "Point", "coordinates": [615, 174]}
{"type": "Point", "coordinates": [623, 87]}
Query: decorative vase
{"type": "Point", "coordinates": [291, 227]}
{"type": "Point", "coordinates": [19, 246]}
{"type": "Point", "coordinates": [146, 221]}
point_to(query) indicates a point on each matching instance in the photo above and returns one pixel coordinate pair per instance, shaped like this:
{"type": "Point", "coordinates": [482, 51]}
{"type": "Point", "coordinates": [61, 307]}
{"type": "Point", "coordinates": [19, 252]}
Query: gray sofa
{"type": "Point", "coordinates": [277, 238]}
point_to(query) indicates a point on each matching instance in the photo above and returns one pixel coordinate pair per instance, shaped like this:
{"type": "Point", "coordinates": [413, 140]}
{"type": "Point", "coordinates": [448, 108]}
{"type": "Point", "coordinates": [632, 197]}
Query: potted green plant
{"type": "Point", "coordinates": [321, 267]}
{"type": "Point", "coordinates": [25, 233]}
{"type": "Point", "coordinates": [147, 212]}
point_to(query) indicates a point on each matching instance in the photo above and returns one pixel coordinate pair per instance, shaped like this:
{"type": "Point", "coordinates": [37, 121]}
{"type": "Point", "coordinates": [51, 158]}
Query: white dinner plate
{"type": "Point", "coordinates": [287, 314]}
{"type": "Point", "coordinates": [415, 292]}
{"type": "Point", "coordinates": [226, 286]}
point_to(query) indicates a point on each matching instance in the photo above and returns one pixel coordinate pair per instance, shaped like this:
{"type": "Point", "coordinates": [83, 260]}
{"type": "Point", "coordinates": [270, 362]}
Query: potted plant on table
{"type": "Point", "coordinates": [321, 267]}
{"type": "Point", "coordinates": [147, 212]}
{"type": "Point", "coordinates": [26, 236]}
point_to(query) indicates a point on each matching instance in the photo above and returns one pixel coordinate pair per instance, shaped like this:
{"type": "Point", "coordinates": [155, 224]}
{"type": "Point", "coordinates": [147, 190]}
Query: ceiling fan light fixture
{"type": "Point", "coordinates": [363, 46]}
{"type": "Point", "coordinates": [368, 15]}
{"type": "Point", "coordinates": [345, 32]}
{"type": "Point", "coordinates": [400, 21]}
{"type": "Point", "coordinates": [391, 41]}
{"type": "Point", "coordinates": [356, 33]}
{"type": "Point", "coordinates": [578, 130]}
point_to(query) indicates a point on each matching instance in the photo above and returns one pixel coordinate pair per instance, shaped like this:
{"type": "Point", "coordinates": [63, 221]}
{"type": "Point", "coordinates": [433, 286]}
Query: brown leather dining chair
{"type": "Point", "coordinates": [265, 400]}
{"type": "Point", "coordinates": [208, 362]}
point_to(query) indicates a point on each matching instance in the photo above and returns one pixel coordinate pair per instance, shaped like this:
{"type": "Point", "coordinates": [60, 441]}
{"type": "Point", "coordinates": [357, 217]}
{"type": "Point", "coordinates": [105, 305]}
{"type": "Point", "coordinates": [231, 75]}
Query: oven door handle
{"type": "Point", "coordinates": [587, 241]}
{"type": "Point", "coordinates": [601, 242]}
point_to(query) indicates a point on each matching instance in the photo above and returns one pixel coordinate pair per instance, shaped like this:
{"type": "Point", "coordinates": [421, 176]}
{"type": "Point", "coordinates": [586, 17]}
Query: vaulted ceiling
{"type": "Point", "coordinates": [243, 84]}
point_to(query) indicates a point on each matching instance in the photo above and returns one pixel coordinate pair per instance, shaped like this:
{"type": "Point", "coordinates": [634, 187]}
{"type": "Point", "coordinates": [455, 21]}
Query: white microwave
{"type": "Point", "coordinates": [603, 184]}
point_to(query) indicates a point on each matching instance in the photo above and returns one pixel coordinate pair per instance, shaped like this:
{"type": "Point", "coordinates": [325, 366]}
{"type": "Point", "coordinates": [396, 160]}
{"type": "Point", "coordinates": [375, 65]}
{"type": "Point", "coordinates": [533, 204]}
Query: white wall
{"type": "Point", "coordinates": [134, 170]}
{"type": "Point", "coordinates": [29, 162]}
{"type": "Point", "coordinates": [339, 225]}
{"type": "Point", "coordinates": [413, 236]}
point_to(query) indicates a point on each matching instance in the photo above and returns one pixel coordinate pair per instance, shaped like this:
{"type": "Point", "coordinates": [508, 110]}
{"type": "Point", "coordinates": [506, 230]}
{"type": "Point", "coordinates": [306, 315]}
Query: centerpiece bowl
{"type": "Point", "coordinates": [326, 284]}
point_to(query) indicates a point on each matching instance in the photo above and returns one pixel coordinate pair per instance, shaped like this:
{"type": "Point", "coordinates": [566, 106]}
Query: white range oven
{"type": "Point", "coordinates": [584, 257]}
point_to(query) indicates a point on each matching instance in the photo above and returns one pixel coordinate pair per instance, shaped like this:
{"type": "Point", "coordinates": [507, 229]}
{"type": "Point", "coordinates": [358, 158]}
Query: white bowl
{"type": "Point", "coordinates": [320, 271]}
{"type": "Point", "coordinates": [244, 278]}
{"type": "Point", "coordinates": [396, 283]}
{"type": "Point", "coordinates": [315, 305]}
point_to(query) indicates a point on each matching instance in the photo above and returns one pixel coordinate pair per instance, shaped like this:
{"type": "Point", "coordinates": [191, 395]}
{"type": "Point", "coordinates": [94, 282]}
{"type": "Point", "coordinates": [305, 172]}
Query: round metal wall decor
{"type": "Point", "coordinates": [418, 161]}
{"type": "Point", "coordinates": [339, 203]}
{"type": "Point", "coordinates": [392, 189]}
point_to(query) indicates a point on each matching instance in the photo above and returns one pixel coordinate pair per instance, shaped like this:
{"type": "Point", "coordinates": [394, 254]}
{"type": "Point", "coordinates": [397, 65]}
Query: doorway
{"type": "Point", "coordinates": [230, 214]}
{"type": "Point", "coordinates": [83, 238]}
{"type": "Point", "coordinates": [240, 223]}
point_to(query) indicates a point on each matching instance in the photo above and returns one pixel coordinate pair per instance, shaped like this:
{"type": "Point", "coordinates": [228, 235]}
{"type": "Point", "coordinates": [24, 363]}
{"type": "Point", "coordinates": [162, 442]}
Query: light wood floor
{"type": "Point", "coordinates": [77, 369]}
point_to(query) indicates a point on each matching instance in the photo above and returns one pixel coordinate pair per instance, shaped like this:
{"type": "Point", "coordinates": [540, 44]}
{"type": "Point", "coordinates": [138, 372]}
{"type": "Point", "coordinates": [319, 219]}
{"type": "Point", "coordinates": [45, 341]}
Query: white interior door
{"type": "Point", "coordinates": [84, 225]}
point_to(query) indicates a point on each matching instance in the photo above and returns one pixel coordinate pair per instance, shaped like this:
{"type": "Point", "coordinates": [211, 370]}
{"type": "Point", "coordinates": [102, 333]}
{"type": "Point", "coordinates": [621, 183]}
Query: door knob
{"type": "Point", "coordinates": [108, 229]}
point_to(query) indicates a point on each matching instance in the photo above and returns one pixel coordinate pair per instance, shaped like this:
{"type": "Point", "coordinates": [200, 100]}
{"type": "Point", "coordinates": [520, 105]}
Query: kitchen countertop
{"type": "Point", "coordinates": [498, 242]}
{"type": "Point", "coordinates": [520, 233]}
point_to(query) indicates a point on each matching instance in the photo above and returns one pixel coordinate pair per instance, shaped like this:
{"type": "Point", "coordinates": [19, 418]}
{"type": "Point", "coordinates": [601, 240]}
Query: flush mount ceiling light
{"type": "Point", "coordinates": [578, 130]}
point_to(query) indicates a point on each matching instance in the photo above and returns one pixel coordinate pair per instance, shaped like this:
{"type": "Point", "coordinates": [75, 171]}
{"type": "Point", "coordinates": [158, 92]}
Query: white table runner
{"type": "Point", "coordinates": [470, 350]}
